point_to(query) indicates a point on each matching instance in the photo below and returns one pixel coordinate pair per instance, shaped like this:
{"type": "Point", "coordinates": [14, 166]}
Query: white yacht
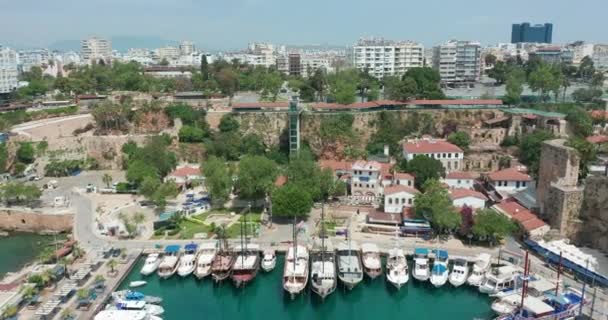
{"type": "Point", "coordinates": [269, 260]}
{"type": "Point", "coordinates": [151, 264]}
{"type": "Point", "coordinates": [350, 269]}
{"type": "Point", "coordinates": [124, 315]}
{"type": "Point", "coordinates": [168, 265]}
{"type": "Point", "coordinates": [370, 254]}
{"type": "Point", "coordinates": [151, 309]}
{"type": "Point", "coordinates": [460, 272]}
{"type": "Point", "coordinates": [206, 254]}
{"type": "Point", "coordinates": [187, 263]}
{"type": "Point", "coordinates": [121, 296]}
{"type": "Point", "coordinates": [440, 271]}
{"type": "Point", "coordinates": [396, 268]}
{"type": "Point", "coordinates": [295, 272]}
{"type": "Point", "coordinates": [422, 271]}
{"type": "Point", "coordinates": [499, 279]}
{"type": "Point", "coordinates": [480, 268]}
{"type": "Point", "coordinates": [323, 269]}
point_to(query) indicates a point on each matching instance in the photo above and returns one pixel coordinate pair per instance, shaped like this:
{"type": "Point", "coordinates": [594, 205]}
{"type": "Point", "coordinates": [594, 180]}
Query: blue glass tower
{"type": "Point", "coordinates": [524, 32]}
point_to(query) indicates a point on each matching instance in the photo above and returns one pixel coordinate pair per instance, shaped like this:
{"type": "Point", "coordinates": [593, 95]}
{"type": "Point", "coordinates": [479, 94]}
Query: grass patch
{"type": "Point", "coordinates": [234, 231]}
{"type": "Point", "coordinates": [252, 217]}
{"type": "Point", "coordinates": [188, 229]}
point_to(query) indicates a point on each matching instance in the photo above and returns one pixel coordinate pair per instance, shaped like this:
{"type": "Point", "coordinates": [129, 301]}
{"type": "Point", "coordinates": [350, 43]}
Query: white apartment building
{"type": "Point", "coordinates": [95, 49]}
{"type": "Point", "coordinates": [450, 155]}
{"type": "Point", "coordinates": [186, 48]}
{"type": "Point", "coordinates": [366, 180]}
{"type": "Point", "coordinates": [168, 52]}
{"type": "Point", "coordinates": [509, 180]}
{"type": "Point", "coordinates": [600, 56]}
{"type": "Point", "coordinates": [387, 58]}
{"type": "Point", "coordinates": [312, 63]}
{"type": "Point", "coordinates": [458, 62]}
{"type": "Point", "coordinates": [398, 197]}
{"type": "Point", "coordinates": [466, 197]}
{"type": "Point", "coordinates": [580, 50]}
{"type": "Point", "coordinates": [8, 70]}
{"type": "Point", "coordinates": [459, 179]}
{"type": "Point", "coordinates": [30, 58]}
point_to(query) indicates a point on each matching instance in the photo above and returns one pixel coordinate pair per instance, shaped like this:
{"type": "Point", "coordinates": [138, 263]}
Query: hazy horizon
{"type": "Point", "coordinates": [231, 24]}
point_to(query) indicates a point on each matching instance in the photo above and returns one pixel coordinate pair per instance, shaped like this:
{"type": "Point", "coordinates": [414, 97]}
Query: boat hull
{"type": "Point", "coordinates": [457, 282]}
{"type": "Point", "coordinates": [267, 267]}
{"type": "Point", "coordinates": [201, 273]}
{"type": "Point", "coordinates": [242, 279]}
{"type": "Point", "coordinates": [439, 281]}
{"type": "Point", "coordinates": [372, 273]}
{"type": "Point", "coordinates": [397, 281]}
{"type": "Point", "coordinates": [185, 273]}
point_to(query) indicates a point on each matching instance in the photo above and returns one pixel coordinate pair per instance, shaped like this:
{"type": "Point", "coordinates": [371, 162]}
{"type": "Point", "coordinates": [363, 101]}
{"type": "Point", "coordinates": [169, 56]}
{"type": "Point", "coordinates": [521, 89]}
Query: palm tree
{"type": "Point", "coordinates": [83, 293]}
{"type": "Point", "coordinates": [29, 292]}
{"type": "Point", "coordinates": [67, 314]}
{"type": "Point", "coordinates": [112, 264]}
{"type": "Point", "coordinates": [77, 252]}
{"type": "Point", "coordinates": [138, 219]}
{"type": "Point", "coordinates": [99, 278]}
{"type": "Point", "coordinates": [107, 179]}
{"type": "Point", "coordinates": [9, 312]}
{"type": "Point", "coordinates": [48, 276]}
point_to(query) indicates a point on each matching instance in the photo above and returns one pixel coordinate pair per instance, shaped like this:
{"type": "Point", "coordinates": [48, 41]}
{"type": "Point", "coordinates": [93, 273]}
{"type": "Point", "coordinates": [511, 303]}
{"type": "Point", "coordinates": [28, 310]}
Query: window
{"type": "Point", "coordinates": [449, 155]}
{"type": "Point", "coordinates": [455, 164]}
{"type": "Point", "coordinates": [409, 183]}
{"type": "Point", "coordinates": [444, 156]}
{"type": "Point", "coordinates": [390, 200]}
{"type": "Point", "coordinates": [402, 200]}
{"type": "Point", "coordinates": [409, 200]}
{"type": "Point", "coordinates": [523, 183]}
{"type": "Point", "coordinates": [458, 181]}
{"type": "Point", "coordinates": [517, 184]}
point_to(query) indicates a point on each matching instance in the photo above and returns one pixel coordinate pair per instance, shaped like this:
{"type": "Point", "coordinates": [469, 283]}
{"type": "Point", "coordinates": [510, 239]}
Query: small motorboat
{"type": "Point", "coordinates": [460, 272]}
{"type": "Point", "coordinates": [135, 284]}
{"type": "Point", "coordinates": [168, 266]}
{"type": "Point", "coordinates": [129, 295]}
{"type": "Point", "coordinates": [396, 268]}
{"type": "Point", "coordinates": [440, 272]}
{"type": "Point", "coordinates": [370, 255]}
{"type": "Point", "coordinates": [151, 309]}
{"type": "Point", "coordinates": [187, 263]}
{"type": "Point", "coordinates": [205, 258]}
{"type": "Point", "coordinates": [421, 271]}
{"type": "Point", "coordinates": [151, 264]}
{"type": "Point", "coordinates": [480, 268]}
{"type": "Point", "coordinates": [269, 261]}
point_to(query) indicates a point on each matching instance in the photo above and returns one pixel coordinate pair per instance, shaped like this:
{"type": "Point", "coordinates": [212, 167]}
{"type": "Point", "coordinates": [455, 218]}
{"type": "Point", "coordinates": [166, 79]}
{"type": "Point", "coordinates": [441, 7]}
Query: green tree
{"type": "Point", "coordinates": [490, 59]}
{"type": "Point", "coordinates": [256, 176]}
{"type": "Point", "coordinates": [252, 144]}
{"type": "Point", "coordinates": [491, 225]}
{"type": "Point", "coordinates": [544, 79]}
{"type": "Point", "coordinates": [18, 193]}
{"type": "Point", "coordinates": [164, 62]}
{"type": "Point", "coordinates": [435, 205]}
{"type": "Point", "coordinates": [148, 186]}
{"type": "Point", "coordinates": [226, 145]}
{"type": "Point", "coordinates": [218, 180]}
{"type": "Point", "coordinates": [290, 201]}
{"type": "Point", "coordinates": [400, 90]}
{"type": "Point", "coordinates": [529, 149]}
{"type": "Point", "coordinates": [424, 168]}
{"type": "Point", "coordinates": [107, 179]}
{"type": "Point", "coordinates": [228, 123]}
{"type": "Point", "coordinates": [138, 170]}
{"type": "Point", "coordinates": [3, 157]}
{"type": "Point", "coordinates": [167, 190]}
{"type": "Point", "coordinates": [428, 82]}
{"type": "Point", "coordinates": [515, 81]}
{"type": "Point", "coordinates": [461, 139]}
{"type": "Point", "coordinates": [26, 152]}
{"type": "Point", "coordinates": [204, 68]}
{"type": "Point", "coordinates": [228, 81]}
{"type": "Point", "coordinates": [586, 69]}
{"type": "Point", "coordinates": [587, 94]}
{"type": "Point", "coordinates": [587, 152]}
{"type": "Point", "coordinates": [191, 134]}
{"type": "Point", "coordinates": [499, 72]}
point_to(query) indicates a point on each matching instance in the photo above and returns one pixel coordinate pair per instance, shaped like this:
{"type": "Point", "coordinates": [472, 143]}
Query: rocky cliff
{"type": "Point", "coordinates": [594, 214]}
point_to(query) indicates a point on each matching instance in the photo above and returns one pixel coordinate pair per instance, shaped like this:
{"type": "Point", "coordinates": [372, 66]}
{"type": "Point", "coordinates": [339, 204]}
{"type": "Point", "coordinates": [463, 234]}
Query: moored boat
{"type": "Point", "coordinates": [129, 295]}
{"type": "Point", "coordinates": [187, 262]}
{"type": "Point", "coordinates": [460, 272]}
{"type": "Point", "coordinates": [295, 272]}
{"type": "Point", "coordinates": [480, 268]}
{"type": "Point", "coordinates": [372, 265]}
{"type": "Point", "coordinates": [124, 315]}
{"type": "Point", "coordinates": [396, 268]}
{"type": "Point", "coordinates": [168, 265]}
{"type": "Point", "coordinates": [350, 268]}
{"type": "Point", "coordinates": [499, 279]}
{"type": "Point", "coordinates": [151, 309]}
{"type": "Point", "coordinates": [206, 255]}
{"type": "Point", "coordinates": [135, 284]}
{"type": "Point", "coordinates": [323, 279]}
{"type": "Point", "coordinates": [151, 264]}
{"type": "Point", "coordinates": [246, 264]}
{"type": "Point", "coordinates": [440, 271]}
{"type": "Point", "coordinates": [221, 267]}
{"type": "Point", "coordinates": [269, 260]}
{"type": "Point", "coordinates": [422, 271]}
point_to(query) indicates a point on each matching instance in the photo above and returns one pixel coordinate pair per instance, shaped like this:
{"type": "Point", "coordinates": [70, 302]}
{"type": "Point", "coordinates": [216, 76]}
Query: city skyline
{"type": "Point", "coordinates": [232, 24]}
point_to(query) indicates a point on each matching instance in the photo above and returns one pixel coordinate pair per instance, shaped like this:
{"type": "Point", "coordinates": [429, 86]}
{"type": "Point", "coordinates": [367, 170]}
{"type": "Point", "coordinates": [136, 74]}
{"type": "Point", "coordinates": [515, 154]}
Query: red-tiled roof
{"type": "Point", "coordinates": [261, 105]}
{"type": "Point", "coordinates": [376, 216]}
{"type": "Point", "coordinates": [512, 208]}
{"type": "Point", "coordinates": [523, 216]}
{"type": "Point", "coordinates": [185, 172]}
{"type": "Point", "coordinates": [422, 146]}
{"type": "Point", "coordinates": [509, 174]}
{"type": "Point", "coordinates": [599, 114]}
{"type": "Point", "coordinates": [335, 165]}
{"type": "Point", "coordinates": [459, 175]}
{"type": "Point", "coordinates": [459, 193]}
{"type": "Point", "coordinates": [374, 104]}
{"type": "Point", "coordinates": [597, 139]}
{"type": "Point", "coordinates": [458, 102]}
{"type": "Point", "coordinates": [533, 224]}
{"type": "Point", "coordinates": [404, 176]}
{"type": "Point", "coordinates": [280, 181]}
{"type": "Point", "coordinates": [367, 165]}
{"type": "Point", "coordinates": [400, 188]}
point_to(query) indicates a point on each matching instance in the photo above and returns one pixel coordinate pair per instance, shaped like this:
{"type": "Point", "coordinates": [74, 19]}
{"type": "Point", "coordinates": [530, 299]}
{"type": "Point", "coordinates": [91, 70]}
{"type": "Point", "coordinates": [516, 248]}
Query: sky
{"type": "Point", "coordinates": [231, 24]}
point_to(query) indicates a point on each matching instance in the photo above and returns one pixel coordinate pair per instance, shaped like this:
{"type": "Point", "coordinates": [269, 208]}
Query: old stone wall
{"type": "Point", "coordinates": [564, 205]}
{"type": "Point", "coordinates": [35, 221]}
{"type": "Point", "coordinates": [594, 214]}
{"type": "Point", "coordinates": [485, 161]}
{"type": "Point", "coordinates": [559, 166]}
{"type": "Point", "coordinates": [487, 137]}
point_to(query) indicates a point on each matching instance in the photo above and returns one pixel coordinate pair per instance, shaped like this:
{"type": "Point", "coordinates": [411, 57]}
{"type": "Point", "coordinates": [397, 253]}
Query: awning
{"type": "Point", "coordinates": [172, 248]}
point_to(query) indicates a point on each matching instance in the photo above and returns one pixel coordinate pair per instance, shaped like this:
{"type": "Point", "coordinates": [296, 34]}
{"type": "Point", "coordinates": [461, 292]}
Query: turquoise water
{"type": "Point", "coordinates": [19, 249]}
{"type": "Point", "coordinates": [264, 299]}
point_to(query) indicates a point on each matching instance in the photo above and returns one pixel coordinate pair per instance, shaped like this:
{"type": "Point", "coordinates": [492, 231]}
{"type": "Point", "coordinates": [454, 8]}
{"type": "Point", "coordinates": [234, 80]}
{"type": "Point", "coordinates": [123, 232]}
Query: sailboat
{"type": "Point", "coordinates": [396, 266]}
{"type": "Point", "coordinates": [221, 267]}
{"type": "Point", "coordinates": [439, 275]}
{"type": "Point", "coordinates": [247, 261]}
{"type": "Point", "coordinates": [350, 268]}
{"type": "Point", "coordinates": [295, 272]}
{"type": "Point", "coordinates": [370, 255]}
{"type": "Point", "coordinates": [421, 271]}
{"type": "Point", "coordinates": [323, 264]}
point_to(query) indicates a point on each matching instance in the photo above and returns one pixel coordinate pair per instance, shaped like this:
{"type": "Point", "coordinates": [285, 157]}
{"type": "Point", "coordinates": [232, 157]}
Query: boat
{"type": "Point", "coordinates": [323, 264]}
{"type": "Point", "coordinates": [396, 268]}
{"type": "Point", "coordinates": [124, 315]}
{"type": "Point", "coordinates": [246, 264]}
{"type": "Point", "coordinates": [221, 266]}
{"type": "Point", "coordinates": [480, 268]}
{"type": "Point", "coordinates": [350, 268]}
{"type": "Point", "coordinates": [187, 262]}
{"type": "Point", "coordinates": [421, 271]}
{"type": "Point", "coordinates": [151, 264]}
{"type": "Point", "coordinates": [269, 260]}
{"type": "Point", "coordinates": [135, 284]}
{"type": "Point", "coordinates": [206, 255]}
{"type": "Point", "coordinates": [562, 306]}
{"type": "Point", "coordinates": [168, 266]}
{"type": "Point", "coordinates": [440, 271]}
{"type": "Point", "coordinates": [295, 272]}
{"type": "Point", "coordinates": [372, 265]}
{"type": "Point", "coordinates": [130, 295]}
{"type": "Point", "coordinates": [460, 272]}
{"type": "Point", "coordinates": [499, 279]}
{"type": "Point", "coordinates": [152, 309]}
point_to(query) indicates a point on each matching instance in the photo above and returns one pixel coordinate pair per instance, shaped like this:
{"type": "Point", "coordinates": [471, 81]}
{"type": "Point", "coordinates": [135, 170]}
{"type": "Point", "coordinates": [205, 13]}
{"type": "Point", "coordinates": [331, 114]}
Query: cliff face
{"type": "Point", "coordinates": [594, 214]}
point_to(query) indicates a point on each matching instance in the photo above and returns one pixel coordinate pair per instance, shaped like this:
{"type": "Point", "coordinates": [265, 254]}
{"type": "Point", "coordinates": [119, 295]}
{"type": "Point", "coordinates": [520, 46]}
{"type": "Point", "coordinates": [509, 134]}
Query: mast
{"type": "Point", "coordinates": [295, 246]}
{"type": "Point", "coordinates": [323, 236]}
{"type": "Point", "coordinates": [524, 287]}
{"type": "Point", "coordinates": [559, 271]}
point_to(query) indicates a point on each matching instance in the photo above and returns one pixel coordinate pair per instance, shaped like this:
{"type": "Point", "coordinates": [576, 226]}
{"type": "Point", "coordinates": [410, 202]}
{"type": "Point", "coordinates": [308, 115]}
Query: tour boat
{"type": "Point", "coordinates": [323, 279]}
{"type": "Point", "coordinates": [396, 268]}
{"type": "Point", "coordinates": [480, 268]}
{"type": "Point", "coordinates": [187, 263]}
{"type": "Point", "coordinates": [269, 260]}
{"type": "Point", "coordinates": [151, 264]}
{"type": "Point", "coordinates": [221, 267]}
{"type": "Point", "coordinates": [370, 255]}
{"type": "Point", "coordinates": [350, 269]}
{"type": "Point", "coordinates": [135, 284]}
{"type": "Point", "coordinates": [152, 309]}
{"type": "Point", "coordinates": [562, 306]}
{"type": "Point", "coordinates": [124, 315]}
{"type": "Point", "coordinates": [168, 266]}
{"type": "Point", "coordinates": [295, 272]}
{"type": "Point", "coordinates": [460, 272]}
{"type": "Point", "coordinates": [440, 271]}
{"type": "Point", "coordinates": [499, 279]}
{"type": "Point", "coordinates": [206, 255]}
{"type": "Point", "coordinates": [421, 271]}
{"type": "Point", "coordinates": [246, 264]}
{"type": "Point", "coordinates": [129, 295]}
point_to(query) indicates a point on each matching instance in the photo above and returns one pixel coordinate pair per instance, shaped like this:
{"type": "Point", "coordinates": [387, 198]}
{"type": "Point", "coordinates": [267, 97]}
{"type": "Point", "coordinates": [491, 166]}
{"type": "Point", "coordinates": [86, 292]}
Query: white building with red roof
{"type": "Point", "coordinates": [450, 155]}
{"type": "Point", "coordinates": [398, 178]}
{"type": "Point", "coordinates": [459, 179]}
{"type": "Point", "coordinates": [531, 224]}
{"type": "Point", "coordinates": [466, 197]}
{"type": "Point", "coordinates": [509, 180]}
{"type": "Point", "coordinates": [366, 180]}
{"type": "Point", "coordinates": [398, 197]}
{"type": "Point", "coordinates": [182, 175]}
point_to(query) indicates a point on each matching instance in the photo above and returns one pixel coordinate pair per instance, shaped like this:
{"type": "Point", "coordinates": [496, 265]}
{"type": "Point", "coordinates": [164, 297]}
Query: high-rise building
{"type": "Point", "coordinates": [381, 58]}
{"type": "Point", "coordinates": [30, 58]}
{"type": "Point", "coordinates": [538, 33]}
{"type": "Point", "coordinates": [8, 70]}
{"type": "Point", "coordinates": [295, 64]}
{"type": "Point", "coordinates": [95, 49]}
{"type": "Point", "coordinates": [600, 56]}
{"type": "Point", "coordinates": [458, 62]}
{"type": "Point", "coordinates": [186, 48]}
{"type": "Point", "coordinates": [168, 52]}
